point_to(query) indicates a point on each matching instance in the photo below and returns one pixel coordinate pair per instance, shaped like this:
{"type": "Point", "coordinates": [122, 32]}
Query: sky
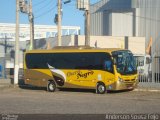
{"type": "Point", "coordinates": [44, 12]}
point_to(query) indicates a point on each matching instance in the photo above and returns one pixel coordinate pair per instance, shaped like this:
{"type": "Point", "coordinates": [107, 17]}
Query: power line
{"type": "Point", "coordinates": [39, 3]}
{"type": "Point", "coordinates": [147, 18]}
{"type": "Point", "coordinates": [142, 17]}
{"type": "Point", "coordinates": [96, 6]}
{"type": "Point", "coordinates": [46, 5]}
{"type": "Point", "coordinates": [46, 12]}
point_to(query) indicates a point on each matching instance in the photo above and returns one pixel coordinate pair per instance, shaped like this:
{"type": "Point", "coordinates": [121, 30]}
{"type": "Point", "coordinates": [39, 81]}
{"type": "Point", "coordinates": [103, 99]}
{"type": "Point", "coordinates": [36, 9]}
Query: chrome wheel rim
{"type": "Point", "coordinates": [51, 86]}
{"type": "Point", "coordinates": [101, 88]}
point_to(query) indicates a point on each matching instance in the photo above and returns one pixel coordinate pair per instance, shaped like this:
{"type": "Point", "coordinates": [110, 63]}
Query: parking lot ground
{"type": "Point", "coordinates": [15, 100]}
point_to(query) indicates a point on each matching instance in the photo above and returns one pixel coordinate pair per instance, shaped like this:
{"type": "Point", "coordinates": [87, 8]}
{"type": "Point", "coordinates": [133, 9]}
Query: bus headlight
{"type": "Point", "coordinates": [120, 79]}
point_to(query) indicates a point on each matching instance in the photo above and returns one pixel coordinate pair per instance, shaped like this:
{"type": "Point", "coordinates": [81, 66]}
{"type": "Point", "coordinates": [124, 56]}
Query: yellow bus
{"type": "Point", "coordinates": [81, 67]}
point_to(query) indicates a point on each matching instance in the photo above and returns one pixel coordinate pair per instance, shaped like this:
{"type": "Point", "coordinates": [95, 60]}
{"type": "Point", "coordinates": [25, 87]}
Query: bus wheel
{"type": "Point", "coordinates": [101, 88]}
{"type": "Point", "coordinates": [51, 86]}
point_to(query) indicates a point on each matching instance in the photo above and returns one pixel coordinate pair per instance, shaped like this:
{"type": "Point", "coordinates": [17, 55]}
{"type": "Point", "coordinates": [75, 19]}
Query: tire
{"type": "Point", "coordinates": [101, 88]}
{"type": "Point", "coordinates": [51, 87]}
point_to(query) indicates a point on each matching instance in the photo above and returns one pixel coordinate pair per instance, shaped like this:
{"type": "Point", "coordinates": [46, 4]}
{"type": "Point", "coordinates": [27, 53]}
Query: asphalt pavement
{"type": "Point", "coordinates": [15, 100]}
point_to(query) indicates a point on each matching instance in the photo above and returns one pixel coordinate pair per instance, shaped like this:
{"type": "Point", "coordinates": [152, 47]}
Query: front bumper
{"type": "Point", "coordinates": [122, 85]}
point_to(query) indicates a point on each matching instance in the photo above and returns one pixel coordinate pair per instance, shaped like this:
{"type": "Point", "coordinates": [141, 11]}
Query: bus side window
{"type": "Point", "coordinates": [108, 65]}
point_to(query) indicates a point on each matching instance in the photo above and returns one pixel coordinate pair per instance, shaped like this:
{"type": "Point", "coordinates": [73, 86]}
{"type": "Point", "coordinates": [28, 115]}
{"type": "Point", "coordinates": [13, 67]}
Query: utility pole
{"type": "Point", "coordinates": [85, 6]}
{"type": "Point", "coordinates": [87, 27]}
{"type": "Point", "coordinates": [5, 43]}
{"type": "Point", "coordinates": [31, 20]}
{"type": "Point", "coordinates": [59, 23]}
{"type": "Point", "coordinates": [24, 8]}
{"type": "Point", "coordinates": [16, 62]}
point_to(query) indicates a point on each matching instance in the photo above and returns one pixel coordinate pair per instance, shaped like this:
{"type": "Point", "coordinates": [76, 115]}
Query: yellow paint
{"type": "Point", "coordinates": [77, 78]}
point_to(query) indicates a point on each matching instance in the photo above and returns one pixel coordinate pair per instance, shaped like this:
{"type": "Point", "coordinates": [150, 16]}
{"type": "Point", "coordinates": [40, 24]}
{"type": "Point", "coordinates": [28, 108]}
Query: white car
{"type": "Point", "coordinates": [143, 67]}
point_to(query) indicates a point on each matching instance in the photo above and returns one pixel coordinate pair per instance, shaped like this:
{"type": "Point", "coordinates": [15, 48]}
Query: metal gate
{"type": "Point", "coordinates": [156, 69]}
{"type": "Point", "coordinates": [149, 75]}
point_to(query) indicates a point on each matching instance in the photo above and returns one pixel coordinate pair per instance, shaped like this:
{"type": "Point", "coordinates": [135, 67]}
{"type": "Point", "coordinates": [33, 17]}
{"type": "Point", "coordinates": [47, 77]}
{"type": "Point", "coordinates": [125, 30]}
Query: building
{"type": "Point", "coordinates": [138, 18]}
{"type": "Point", "coordinates": [40, 31]}
{"type": "Point", "coordinates": [7, 41]}
{"type": "Point", "coordinates": [135, 44]}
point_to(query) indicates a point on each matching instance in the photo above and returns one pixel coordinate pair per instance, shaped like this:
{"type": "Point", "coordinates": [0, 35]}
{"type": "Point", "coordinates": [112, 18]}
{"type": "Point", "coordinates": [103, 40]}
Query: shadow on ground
{"type": "Point", "coordinates": [22, 85]}
{"type": "Point", "coordinates": [119, 91]}
{"type": "Point", "coordinates": [29, 87]}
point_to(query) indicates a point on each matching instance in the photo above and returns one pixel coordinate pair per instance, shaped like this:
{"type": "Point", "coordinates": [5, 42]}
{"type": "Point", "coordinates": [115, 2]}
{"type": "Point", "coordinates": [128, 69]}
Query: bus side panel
{"type": "Point", "coordinates": [83, 78]}
{"type": "Point", "coordinates": [71, 78]}
{"type": "Point", "coordinates": [37, 77]}
{"type": "Point", "coordinates": [109, 78]}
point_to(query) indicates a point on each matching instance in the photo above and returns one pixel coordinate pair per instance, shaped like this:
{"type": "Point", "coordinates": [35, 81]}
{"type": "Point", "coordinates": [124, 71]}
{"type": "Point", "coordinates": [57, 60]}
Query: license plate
{"type": "Point", "coordinates": [130, 86]}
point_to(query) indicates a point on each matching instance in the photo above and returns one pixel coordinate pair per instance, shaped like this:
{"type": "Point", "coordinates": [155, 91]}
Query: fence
{"type": "Point", "coordinates": [156, 69]}
{"type": "Point", "coordinates": [149, 72]}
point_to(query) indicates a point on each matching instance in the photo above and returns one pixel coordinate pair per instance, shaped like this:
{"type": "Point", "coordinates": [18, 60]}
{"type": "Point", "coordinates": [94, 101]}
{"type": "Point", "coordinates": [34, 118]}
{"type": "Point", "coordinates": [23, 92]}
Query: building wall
{"type": "Point", "coordinates": [135, 44]}
{"type": "Point", "coordinates": [149, 26]}
{"type": "Point", "coordinates": [138, 18]}
{"type": "Point", "coordinates": [67, 40]}
{"type": "Point", "coordinates": [112, 18]}
{"type": "Point", "coordinates": [74, 40]}
{"type": "Point", "coordinates": [40, 31]}
{"type": "Point", "coordinates": [149, 22]}
{"type": "Point", "coordinates": [122, 23]}
{"type": "Point", "coordinates": [7, 39]}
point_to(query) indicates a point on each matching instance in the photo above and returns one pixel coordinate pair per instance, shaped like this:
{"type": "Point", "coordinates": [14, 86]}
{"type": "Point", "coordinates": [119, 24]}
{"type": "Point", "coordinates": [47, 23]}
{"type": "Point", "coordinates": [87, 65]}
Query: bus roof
{"type": "Point", "coordinates": [74, 49]}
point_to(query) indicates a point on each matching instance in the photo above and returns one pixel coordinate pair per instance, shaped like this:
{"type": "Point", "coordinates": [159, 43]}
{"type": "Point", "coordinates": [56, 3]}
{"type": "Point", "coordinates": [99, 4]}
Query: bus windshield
{"type": "Point", "coordinates": [125, 62]}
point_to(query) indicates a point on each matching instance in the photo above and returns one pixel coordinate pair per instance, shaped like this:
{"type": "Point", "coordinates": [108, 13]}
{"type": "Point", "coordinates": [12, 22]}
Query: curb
{"type": "Point", "coordinates": [6, 86]}
{"type": "Point", "coordinates": [9, 86]}
{"type": "Point", "coordinates": [146, 90]}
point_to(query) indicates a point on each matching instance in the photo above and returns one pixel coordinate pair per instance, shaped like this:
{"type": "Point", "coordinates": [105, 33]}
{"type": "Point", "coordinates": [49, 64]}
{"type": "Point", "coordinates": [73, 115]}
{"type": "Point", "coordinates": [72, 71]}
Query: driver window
{"type": "Point", "coordinates": [108, 65]}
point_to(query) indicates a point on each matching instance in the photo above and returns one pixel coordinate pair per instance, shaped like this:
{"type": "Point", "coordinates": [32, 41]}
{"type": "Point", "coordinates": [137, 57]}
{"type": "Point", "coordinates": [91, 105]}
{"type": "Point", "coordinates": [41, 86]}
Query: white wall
{"type": "Point", "coordinates": [135, 44]}
{"type": "Point", "coordinates": [122, 24]}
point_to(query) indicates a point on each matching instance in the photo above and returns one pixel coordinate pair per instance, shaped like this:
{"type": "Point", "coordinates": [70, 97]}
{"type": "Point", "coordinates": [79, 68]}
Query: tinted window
{"type": "Point", "coordinates": [108, 65]}
{"type": "Point", "coordinates": [125, 62]}
{"type": "Point", "coordinates": [66, 60]}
